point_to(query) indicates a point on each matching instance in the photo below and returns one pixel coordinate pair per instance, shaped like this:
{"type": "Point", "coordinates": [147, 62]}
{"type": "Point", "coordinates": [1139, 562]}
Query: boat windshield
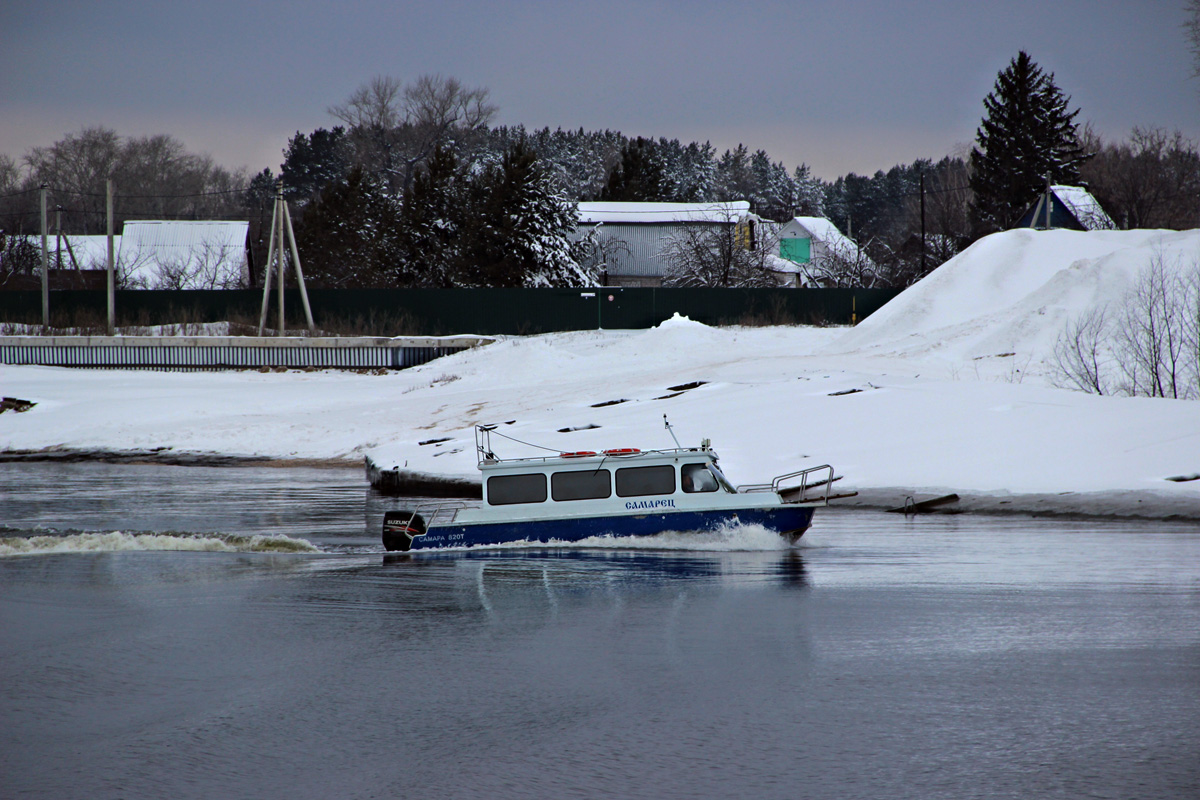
{"type": "Point", "coordinates": [725, 484]}
{"type": "Point", "coordinates": [698, 478]}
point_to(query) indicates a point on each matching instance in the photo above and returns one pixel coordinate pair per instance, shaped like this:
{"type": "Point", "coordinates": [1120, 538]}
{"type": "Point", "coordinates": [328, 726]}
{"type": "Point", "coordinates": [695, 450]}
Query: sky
{"type": "Point", "coordinates": [849, 86]}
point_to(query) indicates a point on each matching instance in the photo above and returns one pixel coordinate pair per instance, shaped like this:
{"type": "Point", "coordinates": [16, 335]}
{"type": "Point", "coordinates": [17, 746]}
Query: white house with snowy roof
{"type": "Point", "coordinates": [1071, 207]}
{"type": "Point", "coordinates": [631, 237]}
{"type": "Point", "coordinates": [184, 254]}
{"type": "Point", "coordinates": [811, 242]}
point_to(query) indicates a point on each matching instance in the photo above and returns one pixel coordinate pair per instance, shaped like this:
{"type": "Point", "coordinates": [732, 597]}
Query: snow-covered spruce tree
{"type": "Point", "coordinates": [1027, 135]}
{"type": "Point", "coordinates": [347, 235]}
{"type": "Point", "coordinates": [689, 171]}
{"type": "Point", "coordinates": [639, 177]}
{"type": "Point", "coordinates": [518, 229]}
{"type": "Point", "coordinates": [810, 193]}
{"type": "Point", "coordinates": [735, 180]}
{"type": "Point", "coordinates": [775, 195]}
{"type": "Point", "coordinates": [314, 161]}
{"type": "Point", "coordinates": [430, 224]}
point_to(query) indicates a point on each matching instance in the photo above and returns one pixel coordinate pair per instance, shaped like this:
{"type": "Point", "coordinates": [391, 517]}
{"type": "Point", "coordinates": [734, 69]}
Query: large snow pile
{"type": "Point", "coordinates": [998, 307]}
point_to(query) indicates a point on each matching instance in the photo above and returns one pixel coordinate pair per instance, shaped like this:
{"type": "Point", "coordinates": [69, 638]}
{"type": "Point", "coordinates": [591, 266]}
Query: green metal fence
{"type": "Point", "coordinates": [435, 312]}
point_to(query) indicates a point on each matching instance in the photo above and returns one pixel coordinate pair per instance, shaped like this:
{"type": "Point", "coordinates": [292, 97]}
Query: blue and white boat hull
{"type": "Point", "coordinates": [789, 521]}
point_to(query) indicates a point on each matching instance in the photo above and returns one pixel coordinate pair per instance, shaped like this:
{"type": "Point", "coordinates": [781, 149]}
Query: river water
{"type": "Point", "coordinates": [934, 657]}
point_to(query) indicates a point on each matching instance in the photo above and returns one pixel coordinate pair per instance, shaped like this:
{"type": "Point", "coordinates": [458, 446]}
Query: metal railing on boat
{"type": "Point", "coordinates": [800, 492]}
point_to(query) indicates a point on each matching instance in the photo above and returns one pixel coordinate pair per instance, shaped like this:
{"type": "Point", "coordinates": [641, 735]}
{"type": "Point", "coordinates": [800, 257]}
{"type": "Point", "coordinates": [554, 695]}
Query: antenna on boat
{"type": "Point", "coordinates": [483, 442]}
{"type": "Point", "coordinates": [671, 431]}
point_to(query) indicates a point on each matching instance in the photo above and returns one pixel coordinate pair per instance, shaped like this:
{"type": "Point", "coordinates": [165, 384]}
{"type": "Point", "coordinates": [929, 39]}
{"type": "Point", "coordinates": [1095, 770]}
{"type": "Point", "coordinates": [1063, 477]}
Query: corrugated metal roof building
{"type": "Point", "coordinates": [177, 254]}
{"type": "Point", "coordinates": [634, 235]}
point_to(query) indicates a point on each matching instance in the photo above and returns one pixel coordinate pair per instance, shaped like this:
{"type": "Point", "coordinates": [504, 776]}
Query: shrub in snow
{"type": "Point", "coordinates": [1148, 346]}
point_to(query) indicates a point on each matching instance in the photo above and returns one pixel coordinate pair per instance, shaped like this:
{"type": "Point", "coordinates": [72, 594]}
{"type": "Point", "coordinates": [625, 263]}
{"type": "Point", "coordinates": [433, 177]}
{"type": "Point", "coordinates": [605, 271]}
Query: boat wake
{"type": "Point", "coordinates": [729, 537]}
{"type": "Point", "coordinates": [118, 541]}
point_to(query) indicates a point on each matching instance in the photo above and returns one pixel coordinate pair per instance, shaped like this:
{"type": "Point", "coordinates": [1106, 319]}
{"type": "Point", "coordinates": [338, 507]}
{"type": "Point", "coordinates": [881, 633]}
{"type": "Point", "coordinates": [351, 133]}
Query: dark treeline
{"type": "Point", "coordinates": [417, 187]}
{"type": "Point", "coordinates": [155, 176]}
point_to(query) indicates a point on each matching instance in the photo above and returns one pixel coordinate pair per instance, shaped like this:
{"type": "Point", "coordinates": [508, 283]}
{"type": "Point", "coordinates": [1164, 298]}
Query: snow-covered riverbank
{"type": "Point", "coordinates": [946, 391]}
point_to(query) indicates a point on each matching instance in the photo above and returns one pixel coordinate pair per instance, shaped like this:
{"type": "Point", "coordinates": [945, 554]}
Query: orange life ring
{"type": "Point", "coordinates": [578, 454]}
{"type": "Point", "coordinates": [622, 451]}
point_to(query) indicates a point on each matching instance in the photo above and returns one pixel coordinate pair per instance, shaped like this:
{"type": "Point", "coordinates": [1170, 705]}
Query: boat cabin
{"type": "Point", "coordinates": [643, 479]}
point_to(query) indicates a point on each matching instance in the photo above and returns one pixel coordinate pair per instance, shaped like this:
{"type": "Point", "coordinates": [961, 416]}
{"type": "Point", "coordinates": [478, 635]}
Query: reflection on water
{"type": "Point", "coordinates": [939, 657]}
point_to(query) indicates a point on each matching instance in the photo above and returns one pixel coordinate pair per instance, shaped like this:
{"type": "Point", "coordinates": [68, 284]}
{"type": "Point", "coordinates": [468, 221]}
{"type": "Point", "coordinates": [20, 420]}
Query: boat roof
{"type": "Point", "coordinates": [591, 457]}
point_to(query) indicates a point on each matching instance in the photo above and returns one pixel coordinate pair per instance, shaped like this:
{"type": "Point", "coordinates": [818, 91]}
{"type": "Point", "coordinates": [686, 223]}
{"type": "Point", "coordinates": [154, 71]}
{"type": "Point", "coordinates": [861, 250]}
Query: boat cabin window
{"type": "Point", "coordinates": [641, 481]}
{"type": "Point", "coordinates": [590, 484]}
{"type": "Point", "coordinates": [697, 478]}
{"type": "Point", "coordinates": [503, 490]}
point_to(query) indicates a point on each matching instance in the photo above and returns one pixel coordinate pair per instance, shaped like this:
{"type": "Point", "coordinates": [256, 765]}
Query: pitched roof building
{"type": "Point", "coordinates": [1071, 207]}
{"type": "Point", "coordinates": [176, 254]}
{"type": "Point", "coordinates": [811, 243]}
{"type": "Point", "coordinates": [633, 236]}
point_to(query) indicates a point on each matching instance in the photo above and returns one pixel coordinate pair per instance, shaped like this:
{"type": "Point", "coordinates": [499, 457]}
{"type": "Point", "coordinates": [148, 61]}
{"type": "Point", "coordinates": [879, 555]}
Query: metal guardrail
{"type": "Point", "coordinates": [444, 512]}
{"type": "Point", "coordinates": [229, 352]}
{"type": "Point", "coordinates": [801, 491]}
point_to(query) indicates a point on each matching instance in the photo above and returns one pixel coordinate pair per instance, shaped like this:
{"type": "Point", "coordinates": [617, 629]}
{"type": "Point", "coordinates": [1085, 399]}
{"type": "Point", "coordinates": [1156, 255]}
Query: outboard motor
{"type": "Point", "coordinates": [400, 528]}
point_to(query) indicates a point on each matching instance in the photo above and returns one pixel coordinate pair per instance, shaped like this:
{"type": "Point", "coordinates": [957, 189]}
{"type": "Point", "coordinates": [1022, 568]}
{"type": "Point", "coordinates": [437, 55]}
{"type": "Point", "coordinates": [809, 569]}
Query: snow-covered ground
{"type": "Point", "coordinates": [949, 388]}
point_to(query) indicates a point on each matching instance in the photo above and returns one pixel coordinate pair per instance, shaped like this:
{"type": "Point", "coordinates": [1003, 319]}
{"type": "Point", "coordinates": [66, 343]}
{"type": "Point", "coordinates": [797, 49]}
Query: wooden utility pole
{"type": "Point", "coordinates": [45, 264]}
{"type": "Point", "coordinates": [1049, 202]}
{"type": "Point", "coordinates": [112, 282]}
{"type": "Point", "coordinates": [308, 317]}
{"type": "Point", "coordinates": [281, 227]}
{"type": "Point", "coordinates": [267, 269]}
{"type": "Point", "coordinates": [58, 237]}
{"type": "Point", "coordinates": [282, 331]}
{"type": "Point", "coordinates": [923, 263]}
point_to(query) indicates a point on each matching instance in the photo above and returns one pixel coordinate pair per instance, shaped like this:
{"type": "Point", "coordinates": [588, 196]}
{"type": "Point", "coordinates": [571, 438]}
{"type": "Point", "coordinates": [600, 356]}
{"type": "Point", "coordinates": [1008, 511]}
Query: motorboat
{"type": "Point", "coordinates": [575, 495]}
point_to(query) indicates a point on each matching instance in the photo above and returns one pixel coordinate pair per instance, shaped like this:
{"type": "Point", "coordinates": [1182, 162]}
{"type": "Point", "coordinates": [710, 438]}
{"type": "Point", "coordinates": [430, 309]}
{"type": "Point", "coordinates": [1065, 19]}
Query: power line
{"type": "Point", "coordinates": [18, 193]}
{"type": "Point", "coordinates": [119, 195]}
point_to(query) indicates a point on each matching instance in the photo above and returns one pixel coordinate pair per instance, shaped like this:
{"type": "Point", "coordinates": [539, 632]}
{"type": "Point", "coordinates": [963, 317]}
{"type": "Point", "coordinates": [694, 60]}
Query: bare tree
{"type": "Point", "coordinates": [375, 104]}
{"type": "Point", "coordinates": [1151, 334]}
{"type": "Point", "coordinates": [155, 176]}
{"type": "Point", "coordinates": [731, 254]}
{"type": "Point", "coordinates": [18, 257]}
{"type": "Point", "coordinates": [1191, 27]}
{"type": "Point", "coordinates": [436, 111]}
{"type": "Point", "coordinates": [843, 265]}
{"type": "Point", "coordinates": [444, 103]}
{"type": "Point", "coordinates": [1151, 181]}
{"type": "Point", "coordinates": [1150, 347]}
{"type": "Point", "coordinates": [10, 174]}
{"type": "Point", "coordinates": [397, 128]}
{"type": "Point", "coordinates": [596, 252]}
{"type": "Point", "coordinates": [78, 165]}
{"type": "Point", "coordinates": [1081, 355]}
{"type": "Point", "coordinates": [1191, 324]}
